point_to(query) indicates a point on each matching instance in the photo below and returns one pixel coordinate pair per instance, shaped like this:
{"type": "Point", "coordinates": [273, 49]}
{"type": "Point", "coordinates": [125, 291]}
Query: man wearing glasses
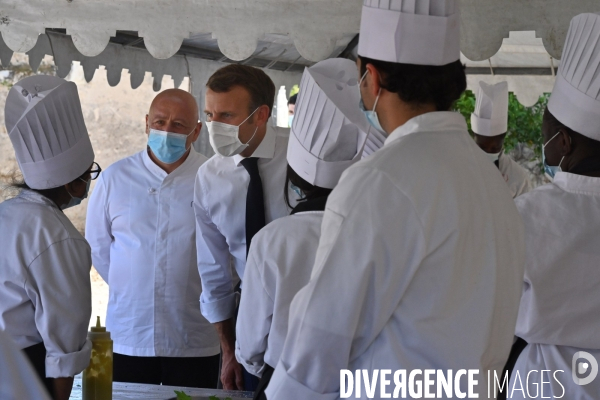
{"type": "Point", "coordinates": [141, 227]}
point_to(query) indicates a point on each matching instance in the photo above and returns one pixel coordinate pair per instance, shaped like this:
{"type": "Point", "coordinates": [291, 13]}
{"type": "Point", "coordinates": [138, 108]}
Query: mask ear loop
{"type": "Point", "coordinates": [544, 146]}
{"type": "Point", "coordinates": [378, 94]}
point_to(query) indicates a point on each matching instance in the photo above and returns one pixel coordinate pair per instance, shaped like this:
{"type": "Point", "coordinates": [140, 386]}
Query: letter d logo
{"type": "Point", "coordinates": [582, 367]}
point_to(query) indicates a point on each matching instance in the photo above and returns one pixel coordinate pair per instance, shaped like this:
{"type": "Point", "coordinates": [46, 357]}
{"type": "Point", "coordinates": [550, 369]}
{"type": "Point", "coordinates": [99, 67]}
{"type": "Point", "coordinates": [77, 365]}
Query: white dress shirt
{"type": "Point", "coordinates": [18, 380]}
{"type": "Point", "coordinates": [516, 177]}
{"type": "Point", "coordinates": [220, 207]}
{"type": "Point", "coordinates": [140, 224]}
{"type": "Point", "coordinates": [45, 291]}
{"type": "Point", "coordinates": [560, 304]}
{"type": "Point", "coordinates": [419, 266]}
{"type": "Point", "coordinates": [279, 264]}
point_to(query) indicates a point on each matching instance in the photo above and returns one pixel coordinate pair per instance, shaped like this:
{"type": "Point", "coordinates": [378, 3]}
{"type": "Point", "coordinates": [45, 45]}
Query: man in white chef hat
{"type": "Point", "coordinates": [558, 319]}
{"type": "Point", "coordinates": [420, 262]}
{"type": "Point", "coordinates": [45, 294]}
{"type": "Point", "coordinates": [489, 122]}
{"type": "Point", "coordinates": [328, 136]}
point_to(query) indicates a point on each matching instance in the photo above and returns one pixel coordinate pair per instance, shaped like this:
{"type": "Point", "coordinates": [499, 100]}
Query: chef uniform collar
{"type": "Point", "coordinates": [328, 132]}
{"type": "Point", "coordinates": [45, 124]}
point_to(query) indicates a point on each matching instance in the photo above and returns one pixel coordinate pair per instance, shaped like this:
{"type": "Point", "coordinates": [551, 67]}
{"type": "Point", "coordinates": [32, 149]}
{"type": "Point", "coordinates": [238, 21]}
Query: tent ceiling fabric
{"type": "Point", "coordinates": [241, 28]}
{"type": "Point", "coordinates": [316, 27]}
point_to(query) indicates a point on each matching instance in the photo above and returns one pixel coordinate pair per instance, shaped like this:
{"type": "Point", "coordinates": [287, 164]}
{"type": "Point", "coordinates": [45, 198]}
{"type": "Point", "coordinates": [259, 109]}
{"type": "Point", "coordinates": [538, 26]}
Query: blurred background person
{"type": "Point", "coordinates": [489, 122]}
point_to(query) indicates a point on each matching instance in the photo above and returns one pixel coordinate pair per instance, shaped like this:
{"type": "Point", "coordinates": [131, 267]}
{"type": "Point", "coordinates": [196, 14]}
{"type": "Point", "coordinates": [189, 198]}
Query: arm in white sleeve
{"type": "Point", "coordinates": [98, 228]}
{"type": "Point", "coordinates": [255, 314]}
{"type": "Point", "coordinates": [371, 244]}
{"type": "Point", "coordinates": [58, 284]}
{"type": "Point", "coordinates": [217, 300]}
{"type": "Point", "coordinates": [18, 379]}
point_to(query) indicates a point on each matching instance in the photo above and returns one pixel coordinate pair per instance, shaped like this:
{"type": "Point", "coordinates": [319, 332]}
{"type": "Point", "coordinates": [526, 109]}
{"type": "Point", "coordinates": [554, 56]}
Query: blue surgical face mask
{"type": "Point", "coordinates": [371, 115]}
{"type": "Point", "coordinates": [549, 170]}
{"type": "Point", "coordinates": [290, 120]}
{"type": "Point", "coordinates": [296, 190]}
{"type": "Point", "coordinates": [168, 147]}
{"type": "Point", "coordinates": [75, 201]}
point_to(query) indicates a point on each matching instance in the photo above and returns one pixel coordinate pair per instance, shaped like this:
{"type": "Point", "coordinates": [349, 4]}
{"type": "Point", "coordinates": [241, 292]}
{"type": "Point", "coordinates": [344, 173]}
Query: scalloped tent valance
{"type": "Point", "coordinates": [316, 27]}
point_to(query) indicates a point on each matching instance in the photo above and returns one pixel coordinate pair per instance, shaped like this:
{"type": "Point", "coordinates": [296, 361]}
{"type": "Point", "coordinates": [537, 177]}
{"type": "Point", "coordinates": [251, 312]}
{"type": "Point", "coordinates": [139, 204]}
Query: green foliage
{"type": "Point", "coordinates": [524, 123]}
{"type": "Point", "coordinates": [182, 395]}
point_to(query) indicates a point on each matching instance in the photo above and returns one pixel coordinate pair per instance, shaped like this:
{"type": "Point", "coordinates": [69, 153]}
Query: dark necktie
{"type": "Point", "coordinates": [255, 201]}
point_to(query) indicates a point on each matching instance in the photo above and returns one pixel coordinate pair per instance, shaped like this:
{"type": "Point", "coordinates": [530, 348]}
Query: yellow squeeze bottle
{"type": "Point", "coordinates": [97, 377]}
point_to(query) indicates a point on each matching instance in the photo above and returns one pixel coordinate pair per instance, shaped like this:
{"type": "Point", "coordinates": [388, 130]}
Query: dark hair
{"type": "Point", "coordinates": [292, 99]}
{"type": "Point", "coordinates": [421, 84]}
{"type": "Point", "coordinates": [254, 80]}
{"type": "Point", "coordinates": [310, 191]}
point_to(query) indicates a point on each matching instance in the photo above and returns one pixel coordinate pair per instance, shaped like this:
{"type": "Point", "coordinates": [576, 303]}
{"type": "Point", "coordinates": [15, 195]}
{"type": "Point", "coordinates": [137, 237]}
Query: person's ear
{"type": "Point", "coordinates": [147, 126]}
{"type": "Point", "coordinates": [373, 79]}
{"type": "Point", "coordinates": [262, 115]}
{"type": "Point", "coordinates": [196, 133]}
{"type": "Point", "coordinates": [565, 143]}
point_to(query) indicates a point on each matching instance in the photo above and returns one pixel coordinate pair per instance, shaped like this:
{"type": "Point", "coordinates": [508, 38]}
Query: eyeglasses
{"type": "Point", "coordinates": [95, 171]}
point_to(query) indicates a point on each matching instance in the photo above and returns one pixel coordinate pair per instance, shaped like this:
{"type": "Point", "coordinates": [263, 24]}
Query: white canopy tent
{"type": "Point", "coordinates": [195, 37]}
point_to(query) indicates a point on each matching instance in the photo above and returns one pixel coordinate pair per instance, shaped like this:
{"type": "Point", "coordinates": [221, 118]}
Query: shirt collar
{"type": "Point", "coordinates": [266, 148]}
{"type": "Point", "coordinates": [440, 121]}
{"type": "Point", "coordinates": [35, 197]}
{"type": "Point", "coordinates": [158, 171]}
{"type": "Point", "coordinates": [577, 183]}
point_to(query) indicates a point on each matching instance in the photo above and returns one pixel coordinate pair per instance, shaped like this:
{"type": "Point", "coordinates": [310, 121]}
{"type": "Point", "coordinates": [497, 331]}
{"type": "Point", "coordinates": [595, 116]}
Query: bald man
{"type": "Point", "coordinates": [141, 227]}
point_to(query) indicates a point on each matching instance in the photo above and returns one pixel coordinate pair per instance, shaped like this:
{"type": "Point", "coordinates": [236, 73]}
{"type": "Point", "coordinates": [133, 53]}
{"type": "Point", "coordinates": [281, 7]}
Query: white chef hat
{"type": "Point", "coordinates": [490, 117]}
{"type": "Point", "coordinates": [423, 32]}
{"type": "Point", "coordinates": [329, 130]}
{"type": "Point", "coordinates": [575, 99]}
{"type": "Point", "coordinates": [45, 124]}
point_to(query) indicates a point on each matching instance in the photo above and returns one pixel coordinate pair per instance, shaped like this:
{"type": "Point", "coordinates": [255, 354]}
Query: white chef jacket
{"type": "Point", "coordinates": [560, 306]}
{"type": "Point", "coordinates": [220, 208]}
{"type": "Point", "coordinates": [279, 264]}
{"type": "Point", "coordinates": [515, 175]}
{"type": "Point", "coordinates": [140, 224]}
{"type": "Point", "coordinates": [18, 380]}
{"type": "Point", "coordinates": [419, 266]}
{"type": "Point", "coordinates": [45, 290]}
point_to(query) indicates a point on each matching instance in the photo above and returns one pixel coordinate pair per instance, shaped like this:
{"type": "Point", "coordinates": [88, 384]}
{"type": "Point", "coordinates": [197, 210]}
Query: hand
{"type": "Point", "coordinates": [232, 377]}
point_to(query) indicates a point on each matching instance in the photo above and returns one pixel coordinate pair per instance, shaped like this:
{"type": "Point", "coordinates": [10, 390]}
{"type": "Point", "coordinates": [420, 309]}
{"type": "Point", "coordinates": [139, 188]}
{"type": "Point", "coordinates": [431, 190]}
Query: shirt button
{"type": "Point", "coordinates": [151, 191]}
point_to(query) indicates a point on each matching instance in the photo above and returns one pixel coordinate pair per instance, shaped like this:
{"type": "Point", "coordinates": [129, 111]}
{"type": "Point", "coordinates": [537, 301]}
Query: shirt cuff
{"type": "Point", "coordinates": [67, 365]}
{"type": "Point", "coordinates": [255, 369]}
{"type": "Point", "coordinates": [283, 386]}
{"type": "Point", "coordinates": [219, 310]}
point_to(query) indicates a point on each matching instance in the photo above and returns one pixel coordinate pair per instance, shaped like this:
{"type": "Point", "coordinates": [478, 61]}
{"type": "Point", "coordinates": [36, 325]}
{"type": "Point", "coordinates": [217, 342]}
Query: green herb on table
{"type": "Point", "coordinates": [182, 395]}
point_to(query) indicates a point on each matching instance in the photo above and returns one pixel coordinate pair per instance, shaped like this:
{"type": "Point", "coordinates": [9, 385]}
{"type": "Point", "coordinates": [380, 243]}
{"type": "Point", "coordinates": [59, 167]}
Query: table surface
{"type": "Point", "coordinates": [134, 391]}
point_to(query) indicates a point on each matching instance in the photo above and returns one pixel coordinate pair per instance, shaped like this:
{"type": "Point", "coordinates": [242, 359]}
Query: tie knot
{"type": "Point", "coordinates": [251, 164]}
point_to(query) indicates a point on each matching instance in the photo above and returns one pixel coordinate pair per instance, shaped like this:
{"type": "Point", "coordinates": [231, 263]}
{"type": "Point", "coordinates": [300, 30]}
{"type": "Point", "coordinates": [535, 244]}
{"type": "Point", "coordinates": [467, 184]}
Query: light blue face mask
{"type": "Point", "coordinates": [371, 115]}
{"type": "Point", "coordinates": [290, 120]}
{"type": "Point", "coordinates": [75, 201]}
{"type": "Point", "coordinates": [168, 147]}
{"type": "Point", "coordinates": [296, 190]}
{"type": "Point", "coordinates": [549, 170]}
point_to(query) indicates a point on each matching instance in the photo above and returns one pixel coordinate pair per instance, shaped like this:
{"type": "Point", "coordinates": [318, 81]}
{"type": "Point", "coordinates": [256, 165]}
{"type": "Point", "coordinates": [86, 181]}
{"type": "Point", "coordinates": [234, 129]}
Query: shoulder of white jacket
{"type": "Point", "coordinates": [134, 160]}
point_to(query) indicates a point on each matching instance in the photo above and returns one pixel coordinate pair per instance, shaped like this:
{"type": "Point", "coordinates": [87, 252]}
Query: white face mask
{"type": "Point", "coordinates": [224, 138]}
